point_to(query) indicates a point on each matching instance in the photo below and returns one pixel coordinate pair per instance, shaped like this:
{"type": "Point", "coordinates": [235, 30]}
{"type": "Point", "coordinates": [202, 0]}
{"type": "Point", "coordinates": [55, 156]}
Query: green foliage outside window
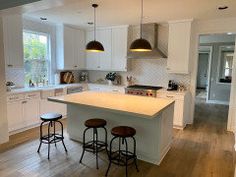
{"type": "Point", "coordinates": [36, 57]}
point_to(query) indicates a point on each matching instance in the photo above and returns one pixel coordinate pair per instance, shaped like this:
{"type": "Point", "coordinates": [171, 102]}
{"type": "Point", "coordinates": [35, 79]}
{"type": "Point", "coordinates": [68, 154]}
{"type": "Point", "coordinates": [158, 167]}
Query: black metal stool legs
{"type": "Point", "coordinates": [81, 158]}
{"type": "Point", "coordinates": [135, 156]}
{"type": "Point", "coordinates": [51, 138]}
{"type": "Point", "coordinates": [95, 145]}
{"type": "Point", "coordinates": [62, 135]}
{"type": "Point", "coordinates": [41, 135]}
{"type": "Point", "coordinates": [122, 157]}
{"type": "Point", "coordinates": [110, 156]}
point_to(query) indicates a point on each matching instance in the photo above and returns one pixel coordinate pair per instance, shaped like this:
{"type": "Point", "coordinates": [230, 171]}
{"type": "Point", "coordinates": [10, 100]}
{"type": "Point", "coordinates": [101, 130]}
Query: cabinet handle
{"type": "Point", "coordinates": [98, 66]}
{"type": "Point", "coordinates": [23, 102]}
{"type": "Point", "coordinates": [76, 66]}
{"type": "Point", "coordinates": [168, 96]}
{"type": "Point", "coordinates": [168, 68]}
{"type": "Point", "coordinates": [10, 65]}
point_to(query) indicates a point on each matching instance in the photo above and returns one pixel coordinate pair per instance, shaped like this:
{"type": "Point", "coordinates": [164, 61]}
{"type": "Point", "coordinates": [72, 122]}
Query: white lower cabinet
{"type": "Point", "coordinates": [181, 109]}
{"type": "Point", "coordinates": [15, 115]}
{"type": "Point", "coordinates": [23, 110]}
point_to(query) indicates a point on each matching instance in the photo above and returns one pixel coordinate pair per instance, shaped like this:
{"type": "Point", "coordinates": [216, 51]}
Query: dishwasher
{"type": "Point", "coordinates": [74, 89]}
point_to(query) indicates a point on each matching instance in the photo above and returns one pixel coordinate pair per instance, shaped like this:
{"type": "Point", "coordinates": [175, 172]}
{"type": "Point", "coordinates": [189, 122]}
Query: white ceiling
{"type": "Point", "coordinates": [113, 12]}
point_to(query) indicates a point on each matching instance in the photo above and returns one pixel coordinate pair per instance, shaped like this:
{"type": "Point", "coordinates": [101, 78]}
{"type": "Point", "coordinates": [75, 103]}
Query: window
{"type": "Point", "coordinates": [226, 63]}
{"type": "Point", "coordinates": [36, 57]}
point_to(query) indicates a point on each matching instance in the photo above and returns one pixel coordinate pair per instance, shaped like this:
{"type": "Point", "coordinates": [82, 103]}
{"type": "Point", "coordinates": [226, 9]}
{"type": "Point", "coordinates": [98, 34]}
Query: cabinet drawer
{"type": "Point", "coordinates": [15, 97]}
{"type": "Point", "coordinates": [32, 95]}
{"type": "Point", "coordinates": [170, 96]}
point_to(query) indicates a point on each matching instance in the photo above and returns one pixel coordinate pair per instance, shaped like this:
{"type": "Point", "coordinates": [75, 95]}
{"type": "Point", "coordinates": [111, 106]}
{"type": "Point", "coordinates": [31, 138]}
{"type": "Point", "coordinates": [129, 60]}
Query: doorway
{"type": "Point", "coordinates": [204, 63]}
{"type": "Point", "coordinates": [214, 78]}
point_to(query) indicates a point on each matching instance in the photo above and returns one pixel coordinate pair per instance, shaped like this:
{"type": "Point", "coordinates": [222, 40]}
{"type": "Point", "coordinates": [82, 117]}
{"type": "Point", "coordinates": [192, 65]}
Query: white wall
{"type": "Point", "coordinates": [211, 27]}
{"type": "Point", "coordinates": [3, 102]}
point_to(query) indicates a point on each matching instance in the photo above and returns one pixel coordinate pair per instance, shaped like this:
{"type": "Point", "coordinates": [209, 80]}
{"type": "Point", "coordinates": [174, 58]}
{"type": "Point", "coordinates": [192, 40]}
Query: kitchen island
{"type": "Point", "coordinates": [151, 117]}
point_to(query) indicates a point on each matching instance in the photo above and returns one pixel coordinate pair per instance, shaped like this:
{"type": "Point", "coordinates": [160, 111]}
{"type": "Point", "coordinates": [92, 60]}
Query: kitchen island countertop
{"type": "Point", "coordinates": [129, 104]}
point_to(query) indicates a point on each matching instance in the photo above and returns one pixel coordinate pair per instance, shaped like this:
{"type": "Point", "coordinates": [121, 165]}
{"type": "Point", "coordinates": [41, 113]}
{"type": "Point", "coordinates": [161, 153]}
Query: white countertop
{"type": "Point", "coordinates": [34, 89]}
{"type": "Point", "coordinates": [135, 105]}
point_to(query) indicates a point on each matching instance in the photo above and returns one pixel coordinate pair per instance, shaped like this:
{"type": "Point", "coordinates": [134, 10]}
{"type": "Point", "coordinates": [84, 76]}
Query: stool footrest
{"type": "Point", "coordinates": [119, 157]}
{"type": "Point", "coordinates": [51, 138]}
{"type": "Point", "coordinates": [90, 146]}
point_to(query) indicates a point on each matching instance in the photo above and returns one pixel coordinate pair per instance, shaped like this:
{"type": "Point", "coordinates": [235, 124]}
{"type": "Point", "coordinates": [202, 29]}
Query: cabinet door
{"type": "Point", "coordinates": [13, 41]}
{"type": "Point", "coordinates": [15, 116]}
{"type": "Point", "coordinates": [119, 49]}
{"type": "Point", "coordinates": [178, 113]}
{"type": "Point", "coordinates": [80, 49]}
{"type": "Point", "coordinates": [179, 47]}
{"type": "Point", "coordinates": [31, 112]}
{"type": "Point", "coordinates": [92, 58]}
{"type": "Point", "coordinates": [104, 36]}
{"type": "Point", "coordinates": [69, 48]}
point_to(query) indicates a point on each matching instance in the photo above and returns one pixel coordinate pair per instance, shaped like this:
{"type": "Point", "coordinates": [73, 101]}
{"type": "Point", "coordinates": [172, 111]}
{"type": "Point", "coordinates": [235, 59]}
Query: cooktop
{"type": "Point", "coordinates": [146, 87]}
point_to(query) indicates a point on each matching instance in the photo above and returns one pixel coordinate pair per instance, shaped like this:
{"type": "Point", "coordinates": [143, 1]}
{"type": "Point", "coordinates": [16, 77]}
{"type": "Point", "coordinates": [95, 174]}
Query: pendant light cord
{"type": "Point", "coordinates": [94, 13]}
{"type": "Point", "coordinates": [141, 20]}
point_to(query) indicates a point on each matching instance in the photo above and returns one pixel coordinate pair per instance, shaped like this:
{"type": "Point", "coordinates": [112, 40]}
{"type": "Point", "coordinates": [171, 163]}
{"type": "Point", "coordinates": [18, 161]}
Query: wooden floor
{"type": "Point", "coordinates": [204, 149]}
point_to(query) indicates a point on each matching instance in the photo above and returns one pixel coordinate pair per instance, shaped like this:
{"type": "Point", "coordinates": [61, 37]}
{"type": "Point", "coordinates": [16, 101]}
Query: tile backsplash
{"type": "Point", "coordinates": [146, 71]}
{"type": "Point", "coordinates": [15, 75]}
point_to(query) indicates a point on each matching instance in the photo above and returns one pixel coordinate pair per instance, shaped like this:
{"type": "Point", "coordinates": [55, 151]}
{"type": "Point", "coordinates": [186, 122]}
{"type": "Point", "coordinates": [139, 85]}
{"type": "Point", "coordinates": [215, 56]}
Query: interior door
{"type": "Point", "coordinates": [203, 60]}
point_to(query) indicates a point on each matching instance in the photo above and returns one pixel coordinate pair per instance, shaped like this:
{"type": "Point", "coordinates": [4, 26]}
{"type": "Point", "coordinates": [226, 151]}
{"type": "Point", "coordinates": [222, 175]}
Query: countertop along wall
{"type": "Point", "coordinates": [146, 71]}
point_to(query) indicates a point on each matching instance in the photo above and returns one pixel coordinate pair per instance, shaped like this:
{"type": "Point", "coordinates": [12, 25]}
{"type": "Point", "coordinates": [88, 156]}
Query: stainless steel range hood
{"type": "Point", "coordinates": [150, 33]}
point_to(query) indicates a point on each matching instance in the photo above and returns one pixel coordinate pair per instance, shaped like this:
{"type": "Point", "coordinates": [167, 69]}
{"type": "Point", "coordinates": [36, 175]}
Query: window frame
{"type": "Point", "coordinates": [49, 50]}
{"type": "Point", "coordinates": [223, 48]}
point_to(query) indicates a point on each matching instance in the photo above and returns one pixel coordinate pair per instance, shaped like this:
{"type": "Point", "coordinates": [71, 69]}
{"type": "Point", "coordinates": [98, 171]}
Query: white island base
{"type": "Point", "coordinates": [153, 137]}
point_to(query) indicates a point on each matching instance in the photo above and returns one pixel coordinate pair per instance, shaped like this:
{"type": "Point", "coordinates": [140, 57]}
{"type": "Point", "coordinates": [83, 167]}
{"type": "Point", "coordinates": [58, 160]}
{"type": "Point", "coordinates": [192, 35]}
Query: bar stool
{"type": "Point", "coordinates": [51, 137]}
{"type": "Point", "coordinates": [122, 156]}
{"type": "Point", "coordinates": [94, 145]}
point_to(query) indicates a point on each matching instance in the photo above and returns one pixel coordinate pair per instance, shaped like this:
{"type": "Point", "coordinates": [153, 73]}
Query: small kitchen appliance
{"type": "Point", "coordinates": [142, 90]}
{"type": "Point", "coordinates": [172, 85]}
{"type": "Point", "coordinates": [83, 76]}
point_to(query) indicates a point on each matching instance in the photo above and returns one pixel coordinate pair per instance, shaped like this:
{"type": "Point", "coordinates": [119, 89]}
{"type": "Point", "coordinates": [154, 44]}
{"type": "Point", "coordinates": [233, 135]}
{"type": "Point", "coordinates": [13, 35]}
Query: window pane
{"type": "Point", "coordinates": [36, 59]}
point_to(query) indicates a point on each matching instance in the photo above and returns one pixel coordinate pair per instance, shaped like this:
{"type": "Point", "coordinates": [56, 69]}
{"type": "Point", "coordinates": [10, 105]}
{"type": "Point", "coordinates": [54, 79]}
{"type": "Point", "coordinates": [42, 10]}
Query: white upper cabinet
{"type": "Point", "coordinates": [104, 36]}
{"type": "Point", "coordinates": [92, 58]}
{"type": "Point", "coordinates": [114, 41]}
{"type": "Point", "coordinates": [179, 47]}
{"type": "Point", "coordinates": [13, 41]}
{"type": "Point", "coordinates": [119, 49]}
{"type": "Point", "coordinates": [70, 48]}
{"type": "Point", "coordinates": [100, 60]}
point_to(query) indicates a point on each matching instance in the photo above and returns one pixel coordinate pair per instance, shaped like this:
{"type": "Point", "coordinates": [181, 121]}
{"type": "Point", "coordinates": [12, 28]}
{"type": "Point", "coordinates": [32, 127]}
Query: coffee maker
{"type": "Point", "coordinates": [172, 85]}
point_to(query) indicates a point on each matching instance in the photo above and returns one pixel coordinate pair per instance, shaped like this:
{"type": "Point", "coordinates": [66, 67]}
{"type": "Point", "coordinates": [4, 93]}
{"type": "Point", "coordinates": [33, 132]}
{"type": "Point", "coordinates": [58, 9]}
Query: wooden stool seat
{"type": "Point", "coordinates": [123, 131]}
{"type": "Point", "coordinates": [95, 123]}
{"type": "Point", "coordinates": [50, 117]}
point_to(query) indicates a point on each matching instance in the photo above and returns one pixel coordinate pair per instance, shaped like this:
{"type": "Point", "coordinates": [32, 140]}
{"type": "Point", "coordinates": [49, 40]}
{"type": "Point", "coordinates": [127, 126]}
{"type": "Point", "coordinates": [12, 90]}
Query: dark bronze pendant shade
{"type": "Point", "coordinates": [141, 45]}
{"type": "Point", "coordinates": [94, 46]}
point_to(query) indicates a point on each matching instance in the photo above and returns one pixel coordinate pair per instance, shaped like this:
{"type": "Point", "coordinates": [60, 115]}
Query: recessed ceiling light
{"type": "Point", "coordinates": [223, 7]}
{"type": "Point", "coordinates": [43, 18]}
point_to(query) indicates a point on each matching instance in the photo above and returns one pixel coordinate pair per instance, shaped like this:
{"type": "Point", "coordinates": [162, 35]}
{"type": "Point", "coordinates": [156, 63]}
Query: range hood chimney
{"type": "Point", "coordinates": [150, 33]}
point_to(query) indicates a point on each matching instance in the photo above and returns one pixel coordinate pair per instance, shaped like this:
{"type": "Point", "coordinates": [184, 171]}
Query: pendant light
{"type": "Point", "coordinates": [141, 45]}
{"type": "Point", "coordinates": [94, 46]}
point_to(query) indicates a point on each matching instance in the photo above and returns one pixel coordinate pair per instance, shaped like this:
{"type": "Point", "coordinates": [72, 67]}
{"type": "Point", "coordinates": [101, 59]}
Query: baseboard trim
{"type": "Point", "coordinates": [217, 102]}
